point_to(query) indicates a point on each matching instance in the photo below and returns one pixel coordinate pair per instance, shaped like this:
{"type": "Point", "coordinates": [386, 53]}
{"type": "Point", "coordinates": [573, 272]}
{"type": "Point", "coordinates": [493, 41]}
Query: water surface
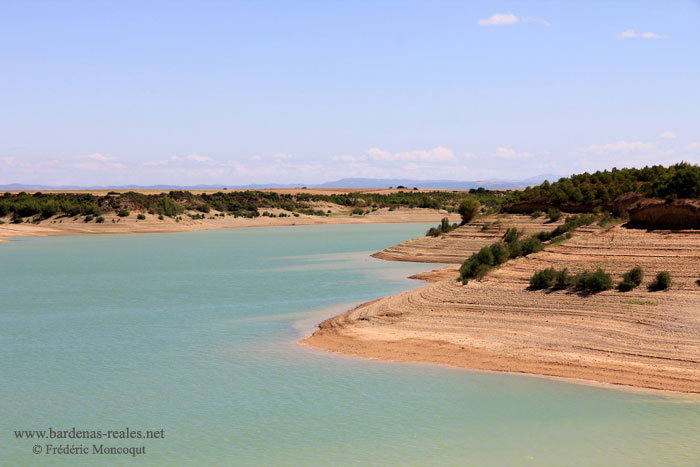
{"type": "Point", "coordinates": [195, 333]}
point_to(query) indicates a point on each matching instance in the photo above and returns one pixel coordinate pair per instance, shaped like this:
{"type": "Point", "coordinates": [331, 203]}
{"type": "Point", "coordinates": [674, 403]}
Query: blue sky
{"type": "Point", "coordinates": [97, 93]}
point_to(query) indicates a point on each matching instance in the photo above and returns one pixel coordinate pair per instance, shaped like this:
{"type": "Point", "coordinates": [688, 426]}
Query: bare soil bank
{"type": "Point", "coordinates": [68, 226]}
{"type": "Point", "coordinates": [638, 338]}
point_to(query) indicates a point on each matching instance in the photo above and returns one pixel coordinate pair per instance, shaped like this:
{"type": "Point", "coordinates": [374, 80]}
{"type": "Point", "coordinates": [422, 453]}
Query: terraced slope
{"type": "Point", "coordinates": [639, 338]}
{"type": "Point", "coordinates": [456, 246]}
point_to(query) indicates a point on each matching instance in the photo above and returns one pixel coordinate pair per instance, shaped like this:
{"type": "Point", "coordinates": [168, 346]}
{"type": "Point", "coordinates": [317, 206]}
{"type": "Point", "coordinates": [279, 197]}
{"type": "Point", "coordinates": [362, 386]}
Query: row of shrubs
{"type": "Point", "coordinates": [240, 203]}
{"type": "Point", "coordinates": [595, 281]}
{"type": "Point", "coordinates": [512, 246]}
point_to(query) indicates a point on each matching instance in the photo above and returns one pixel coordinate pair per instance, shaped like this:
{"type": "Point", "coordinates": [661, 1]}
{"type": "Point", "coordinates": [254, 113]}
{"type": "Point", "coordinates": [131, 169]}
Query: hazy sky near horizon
{"type": "Point", "coordinates": [104, 93]}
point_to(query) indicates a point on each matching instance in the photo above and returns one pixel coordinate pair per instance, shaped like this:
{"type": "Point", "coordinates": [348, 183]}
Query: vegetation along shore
{"type": "Point", "coordinates": [594, 277]}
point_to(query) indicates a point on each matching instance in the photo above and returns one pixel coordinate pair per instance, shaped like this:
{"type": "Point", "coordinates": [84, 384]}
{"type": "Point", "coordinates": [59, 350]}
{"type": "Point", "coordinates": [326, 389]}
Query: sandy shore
{"type": "Point", "coordinates": [67, 226]}
{"type": "Point", "coordinates": [639, 338]}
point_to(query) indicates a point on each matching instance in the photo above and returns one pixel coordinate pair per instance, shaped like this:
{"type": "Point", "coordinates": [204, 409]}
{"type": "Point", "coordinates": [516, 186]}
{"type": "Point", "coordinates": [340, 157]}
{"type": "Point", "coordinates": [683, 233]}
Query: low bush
{"type": "Point", "coordinates": [123, 213]}
{"type": "Point", "coordinates": [444, 227]}
{"type": "Point", "coordinates": [511, 235]}
{"type": "Point", "coordinates": [553, 214]}
{"type": "Point", "coordinates": [88, 218]}
{"type": "Point", "coordinates": [595, 281]}
{"type": "Point", "coordinates": [631, 279]}
{"type": "Point", "coordinates": [100, 220]}
{"type": "Point", "coordinates": [543, 279]}
{"type": "Point", "coordinates": [661, 282]}
{"type": "Point", "coordinates": [141, 217]}
{"type": "Point", "coordinates": [562, 280]}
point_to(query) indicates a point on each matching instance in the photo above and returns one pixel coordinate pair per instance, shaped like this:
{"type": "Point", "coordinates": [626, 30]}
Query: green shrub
{"type": "Point", "coordinates": [123, 213]}
{"type": "Point", "coordinates": [88, 218]}
{"type": "Point", "coordinates": [500, 252]}
{"type": "Point", "coordinates": [511, 235]}
{"type": "Point", "coordinates": [661, 282]}
{"type": "Point", "coordinates": [543, 279]}
{"type": "Point", "coordinates": [468, 209]}
{"type": "Point", "coordinates": [544, 236]}
{"type": "Point", "coordinates": [536, 214]}
{"type": "Point", "coordinates": [100, 220]}
{"type": "Point", "coordinates": [596, 281]}
{"type": "Point", "coordinates": [631, 279]}
{"type": "Point", "coordinates": [553, 214]}
{"type": "Point", "coordinates": [484, 256]}
{"type": "Point", "coordinates": [358, 211]}
{"type": "Point", "coordinates": [444, 227]}
{"type": "Point", "coordinates": [141, 217]}
{"type": "Point", "coordinates": [562, 280]}
{"type": "Point", "coordinates": [480, 271]}
{"type": "Point", "coordinates": [531, 245]}
{"type": "Point", "coordinates": [160, 217]}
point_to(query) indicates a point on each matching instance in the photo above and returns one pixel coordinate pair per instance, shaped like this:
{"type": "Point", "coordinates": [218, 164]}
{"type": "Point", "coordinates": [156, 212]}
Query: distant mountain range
{"type": "Point", "coordinates": [343, 183]}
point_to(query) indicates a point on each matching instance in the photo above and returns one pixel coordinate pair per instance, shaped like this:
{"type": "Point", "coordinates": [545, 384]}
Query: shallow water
{"type": "Point", "coordinates": [194, 333]}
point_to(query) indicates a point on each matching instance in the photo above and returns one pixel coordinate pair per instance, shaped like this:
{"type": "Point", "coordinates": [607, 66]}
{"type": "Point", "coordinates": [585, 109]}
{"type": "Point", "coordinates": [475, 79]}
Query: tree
{"type": "Point", "coordinates": [468, 209]}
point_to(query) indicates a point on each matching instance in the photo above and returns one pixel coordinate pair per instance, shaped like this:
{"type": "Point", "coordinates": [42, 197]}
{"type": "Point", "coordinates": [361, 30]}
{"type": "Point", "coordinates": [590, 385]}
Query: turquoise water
{"type": "Point", "coordinates": [194, 333]}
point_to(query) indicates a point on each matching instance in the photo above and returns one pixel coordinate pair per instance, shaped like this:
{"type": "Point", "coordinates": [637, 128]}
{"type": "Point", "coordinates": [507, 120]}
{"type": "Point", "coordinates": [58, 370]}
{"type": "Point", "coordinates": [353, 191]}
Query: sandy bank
{"type": "Point", "coordinates": [639, 338]}
{"type": "Point", "coordinates": [67, 226]}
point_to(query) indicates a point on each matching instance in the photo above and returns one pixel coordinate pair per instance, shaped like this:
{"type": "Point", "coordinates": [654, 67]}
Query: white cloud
{"type": "Point", "coordinates": [439, 153]}
{"type": "Point", "coordinates": [667, 135]}
{"type": "Point", "coordinates": [619, 146]}
{"type": "Point", "coordinates": [99, 157]}
{"type": "Point", "coordinates": [256, 158]}
{"type": "Point", "coordinates": [504, 19]}
{"type": "Point", "coordinates": [632, 34]}
{"type": "Point", "coordinates": [499, 19]}
{"type": "Point", "coordinates": [97, 162]}
{"type": "Point", "coordinates": [376, 153]}
{"type": "Point", "coordinates": [349, 158]}
{"type": "Point", "coordinates": [198, 158]}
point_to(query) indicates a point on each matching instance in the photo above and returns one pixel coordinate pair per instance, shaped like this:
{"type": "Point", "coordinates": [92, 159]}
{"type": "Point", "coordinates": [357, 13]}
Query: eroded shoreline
{"type": "Point", "coordinates": [637, 339]}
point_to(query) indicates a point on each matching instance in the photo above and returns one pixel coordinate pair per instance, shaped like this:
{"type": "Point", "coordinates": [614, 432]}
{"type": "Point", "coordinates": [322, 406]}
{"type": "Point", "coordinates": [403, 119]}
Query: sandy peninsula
{"type": "Point", "coordinates": [638, 338]}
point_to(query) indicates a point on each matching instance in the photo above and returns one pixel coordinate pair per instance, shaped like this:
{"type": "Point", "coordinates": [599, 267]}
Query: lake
{"type": "Point", "coordinates": [195, 334]}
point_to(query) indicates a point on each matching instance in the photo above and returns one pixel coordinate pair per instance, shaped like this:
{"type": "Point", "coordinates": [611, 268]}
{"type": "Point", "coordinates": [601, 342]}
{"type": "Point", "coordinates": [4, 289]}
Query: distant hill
{"type": "Point", "coordinates": [343, 183]}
